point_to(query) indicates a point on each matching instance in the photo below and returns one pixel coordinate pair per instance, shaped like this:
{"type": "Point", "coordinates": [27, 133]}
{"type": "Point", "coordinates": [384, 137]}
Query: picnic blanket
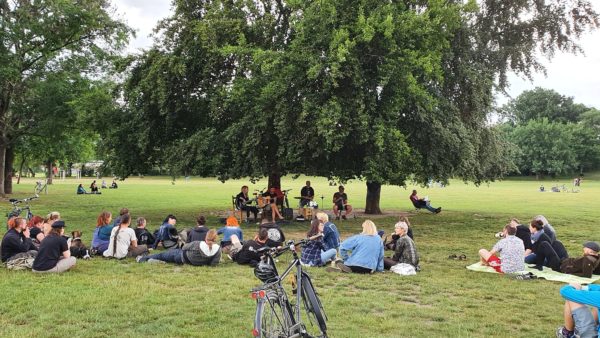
{"type": "Point", "coordinates": [547, 274]}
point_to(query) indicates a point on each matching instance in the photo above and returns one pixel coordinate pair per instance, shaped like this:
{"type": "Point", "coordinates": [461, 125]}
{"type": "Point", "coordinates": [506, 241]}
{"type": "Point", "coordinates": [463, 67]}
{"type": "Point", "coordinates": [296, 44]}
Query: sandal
{"type": "Point", "coordinates": [453, 256]}
{"type": "Point", "coordinates": [462, 257]}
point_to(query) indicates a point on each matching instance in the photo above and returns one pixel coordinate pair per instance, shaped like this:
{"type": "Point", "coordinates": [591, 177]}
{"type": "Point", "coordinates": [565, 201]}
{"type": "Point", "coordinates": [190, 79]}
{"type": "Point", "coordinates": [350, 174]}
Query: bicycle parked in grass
{"type": "Point", "coordinates": [21, 211]}
{"type": "Point", "coordinates": [276, 315]}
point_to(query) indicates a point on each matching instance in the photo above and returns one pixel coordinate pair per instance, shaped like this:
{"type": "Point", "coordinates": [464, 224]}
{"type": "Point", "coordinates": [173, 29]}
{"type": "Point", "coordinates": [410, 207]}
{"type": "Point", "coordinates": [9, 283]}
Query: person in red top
{"type": "Point", "coordinates": [275, 196]}
{"type": "Point", "coordinates": [422, 203]}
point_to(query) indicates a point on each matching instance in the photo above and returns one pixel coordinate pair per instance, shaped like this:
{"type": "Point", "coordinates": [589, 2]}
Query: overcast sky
{"type": "Point", "coordinates": [572, 75]}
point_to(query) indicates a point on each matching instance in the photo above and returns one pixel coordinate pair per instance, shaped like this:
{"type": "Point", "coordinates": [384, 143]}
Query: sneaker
{"type": "Point", "coordinates": [562, 332]}
{"type": "Point", "coordinates": [343, 267]}
{"type": "Point", "coordinates": [139, 258]}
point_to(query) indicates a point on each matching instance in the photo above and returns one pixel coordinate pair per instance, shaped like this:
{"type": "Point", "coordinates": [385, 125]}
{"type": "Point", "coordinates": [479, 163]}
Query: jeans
{"type": "Point", "coordinates": [328, 255]}
{"type": "Point", "coordinates": [171, 256]}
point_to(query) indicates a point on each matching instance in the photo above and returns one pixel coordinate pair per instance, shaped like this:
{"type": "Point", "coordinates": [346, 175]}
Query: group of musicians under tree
{"type": "Point", "coordinates": [273, 199]}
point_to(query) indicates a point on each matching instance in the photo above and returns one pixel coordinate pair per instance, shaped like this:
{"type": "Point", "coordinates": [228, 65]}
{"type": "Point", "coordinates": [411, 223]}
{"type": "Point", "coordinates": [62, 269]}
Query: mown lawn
{"type": "Point", "coordinates": [107, 298]}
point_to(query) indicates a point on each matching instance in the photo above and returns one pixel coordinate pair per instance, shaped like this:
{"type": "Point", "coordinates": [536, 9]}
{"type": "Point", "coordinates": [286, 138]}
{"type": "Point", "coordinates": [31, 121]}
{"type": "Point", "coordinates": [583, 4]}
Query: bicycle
{"type": "Point", "coordinates": [275, 315]}
{"type": "Point", "coordinates": [17, 210]}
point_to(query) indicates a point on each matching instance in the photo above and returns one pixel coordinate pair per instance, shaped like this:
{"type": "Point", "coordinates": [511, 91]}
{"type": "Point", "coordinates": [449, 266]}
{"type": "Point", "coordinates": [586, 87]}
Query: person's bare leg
{"type": "Point", "coordinates": [348, 208]}
{"type": "Point", "coordinates": [595, 313]}
{"type": "Point", "coordinates": [484, 255]}
{"type": "Point", "coordinates": [568, 317]}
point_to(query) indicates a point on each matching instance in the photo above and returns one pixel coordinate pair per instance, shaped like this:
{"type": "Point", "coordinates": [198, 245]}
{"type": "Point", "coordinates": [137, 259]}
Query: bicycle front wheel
{"type": "Point", "coordinates": [273, 318]}
{"type": "Point", "coordinates": [313, 305]}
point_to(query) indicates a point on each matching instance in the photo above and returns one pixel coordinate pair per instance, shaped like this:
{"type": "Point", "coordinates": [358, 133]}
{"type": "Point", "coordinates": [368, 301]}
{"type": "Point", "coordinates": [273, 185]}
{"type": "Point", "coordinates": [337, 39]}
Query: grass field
{"type": "Point", "coordinates": [108, 298]}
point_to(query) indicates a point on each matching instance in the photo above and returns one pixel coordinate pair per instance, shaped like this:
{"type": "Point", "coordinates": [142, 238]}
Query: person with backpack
{"type": "Point", "coordinates": [197, 253]}
{"type": "Point", "coordinates": [167, 233]}
{"type": "Point", "coordinates": [16, 242]}
{"type": "Point", "coordinates": [123, 242]}
{"type": "Point", "coordinates": [198, 233]}
{"type": "Point", "coordinates": [54, 255]}
{"type": "Point", "coordinates": [144, 237]}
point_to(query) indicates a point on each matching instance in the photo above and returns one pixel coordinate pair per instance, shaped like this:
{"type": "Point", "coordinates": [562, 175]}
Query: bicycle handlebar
{"type": "Point", "coordinates": [27, 199]}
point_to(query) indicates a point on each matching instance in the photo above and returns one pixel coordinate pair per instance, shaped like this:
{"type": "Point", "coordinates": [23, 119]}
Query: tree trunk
{"type": "Point", "coordinates": [21, 170]}
{"type": "Point", "coordinates": [31, 171]}
{"type": "Point", "coordinates": [2, 157]}
{"type": "Point", "coordinates": [9, 160]}
{"type": "Point", "coordinates": [50, 171]}
{"type": "Point", "coordinates": [373, 194]}
{"type": "Point", "coordinates": [275, 180]}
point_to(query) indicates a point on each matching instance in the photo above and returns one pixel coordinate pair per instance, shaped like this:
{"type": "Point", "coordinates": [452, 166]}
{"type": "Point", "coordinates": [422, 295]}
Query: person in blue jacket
{"type": "Point", "coordinates": [579, 319]}
{"type": "Point", "coordinates": [362, 253]}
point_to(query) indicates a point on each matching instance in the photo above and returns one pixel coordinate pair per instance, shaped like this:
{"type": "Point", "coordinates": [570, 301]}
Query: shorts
{"type": "Point", "coordinates": [585, 324]}
{"type": "Point", "coordinates": [495, 263]}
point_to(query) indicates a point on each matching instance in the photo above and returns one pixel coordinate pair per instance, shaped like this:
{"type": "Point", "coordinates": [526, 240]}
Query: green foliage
{"type": "Point", "coordinates": [539, 103]}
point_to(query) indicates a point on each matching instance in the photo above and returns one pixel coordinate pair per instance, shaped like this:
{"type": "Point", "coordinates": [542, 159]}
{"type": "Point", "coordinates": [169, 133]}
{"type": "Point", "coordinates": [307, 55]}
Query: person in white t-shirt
{"type": "Point", "coordinates": [125, 244]}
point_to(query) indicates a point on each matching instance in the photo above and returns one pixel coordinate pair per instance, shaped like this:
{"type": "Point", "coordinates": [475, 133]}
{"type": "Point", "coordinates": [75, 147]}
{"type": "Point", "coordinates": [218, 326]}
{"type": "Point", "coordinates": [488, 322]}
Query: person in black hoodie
{"type": "Point", "coordinates": [17, 243]}
{"type": "Point", "coordinates": [144, 237]}
{"type": "Point", "coordinates": [246, 254]}
{"type": "Point", "coordinates": [198, 233]}
{"type": "Point", "coordinates": [543, 245]}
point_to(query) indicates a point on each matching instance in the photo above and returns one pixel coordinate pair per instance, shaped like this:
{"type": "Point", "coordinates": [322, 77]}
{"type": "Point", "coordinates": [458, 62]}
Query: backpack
{"type": "Point", "coordinates": [20, 263]}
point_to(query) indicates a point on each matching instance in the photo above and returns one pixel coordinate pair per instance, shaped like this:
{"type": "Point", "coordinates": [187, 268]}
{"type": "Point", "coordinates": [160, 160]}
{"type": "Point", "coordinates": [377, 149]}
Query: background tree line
{"type": "Point", "coordinates": [550, 134]}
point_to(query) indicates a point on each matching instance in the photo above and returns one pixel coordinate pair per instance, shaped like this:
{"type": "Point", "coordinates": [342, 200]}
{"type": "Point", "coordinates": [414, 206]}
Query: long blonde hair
{"type": "Point", "coordinates": [211, 238]}
{"type": "Point", "coordinates": [369, 228]}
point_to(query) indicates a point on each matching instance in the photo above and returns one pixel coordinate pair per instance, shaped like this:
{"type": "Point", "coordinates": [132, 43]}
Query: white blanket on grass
{"type": "Point", "coordinates": [547, 274]}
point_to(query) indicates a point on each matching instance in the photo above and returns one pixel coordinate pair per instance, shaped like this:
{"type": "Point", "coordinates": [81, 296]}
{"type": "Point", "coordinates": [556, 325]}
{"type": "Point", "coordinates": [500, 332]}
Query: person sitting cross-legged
{"type": "Point", "coordinates": [123, 242]}
{"type": "Point", "coordinates": [579, 319]}
{"type": "Point", "coordinates": [81, 190]}
{"type": "Point", "coordinates": [54, 255]}
{"type": "Point", "coordinates": [422, 203]}
{"type": "Point", "coordinates": [362, 253]}
{"type": "Point", "coordinates": [511, 253]}
{"type": "Point", "coordinates": [314, 253]}
{"type": "Point", "coordinates": [405, 250]}
{"type": "Point", "coordinates": [197, 253]}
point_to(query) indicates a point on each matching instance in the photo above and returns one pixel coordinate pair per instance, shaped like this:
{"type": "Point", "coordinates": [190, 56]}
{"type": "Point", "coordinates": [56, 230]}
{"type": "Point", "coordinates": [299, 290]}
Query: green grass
{"type": "Point", "coordinates": [106, 298]}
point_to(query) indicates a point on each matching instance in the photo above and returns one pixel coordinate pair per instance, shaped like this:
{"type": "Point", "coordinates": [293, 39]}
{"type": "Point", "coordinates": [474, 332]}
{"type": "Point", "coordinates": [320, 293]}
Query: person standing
{"type": "Point", "coordinates": [54, 255]}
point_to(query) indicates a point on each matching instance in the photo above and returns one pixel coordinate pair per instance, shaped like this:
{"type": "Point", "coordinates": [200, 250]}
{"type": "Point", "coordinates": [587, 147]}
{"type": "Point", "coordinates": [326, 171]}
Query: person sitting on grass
{"type": "Point", "coordinates": [340, 203]}
{"type": "Point", "coordinates": [314, 253]}
{"type": "Point", "coordinates": [167, 233]}
{"type": "Point", "coordinates": [232, 227]}
{"type": "Point", "coordinates": [94, 188]}
{"type": "Point", "coordinates": [276, 236]}
{"type": "Point", "coordinates": [542, 245]}
{"type": "Point", "coordinates": [101, 235]}
{"type": "Point", "coordinates": [144, 237]}
{"type": "Point", "coordinates": [247, 254]}
{"type": "Point", "coordinates": [49, 220]}
{"type": "Point", "coordinates": [331, 235]}
{"type": "Point", "coordinates": [36, 230]}
{"type": "Point", "coordinates": [583, 266]}
{"type": "Point", "coordinates": [511, 253]}
{"type": "Point", "coordinates": [123, 242]}
{"type": "Point", "coordinates": [422, 203]}
{"type": "Point", "coordinates": [198, 233]}
{"type": "Point", "coordinates": [197, 253]}
{"type": "Point", "coordinates": [54, 255]}
{"type": "Point", "coordinates": [366, 251]}
{"type": "Point", "coordinates": [580, 321]}
{"type": "Point", "coordinates": [405, 250]}
{"type": "Point", "coordinates": [16, 242]}
{"type": "Point", "coordinates": [81, 190]}
{"type": "Point", "coordinates": [391, 244]}
{"type": "Point", "coordinates": [114, 185]}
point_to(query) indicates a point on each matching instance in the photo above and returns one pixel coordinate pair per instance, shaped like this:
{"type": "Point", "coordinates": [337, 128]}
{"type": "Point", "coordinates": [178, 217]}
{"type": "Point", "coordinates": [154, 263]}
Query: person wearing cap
{"type": "Point", "coordinates": [405, 250]}
{"type": "Point", "coordinates": [54, 255]}
{"type": "Point", "coordinates": [17, 243]}
{"type": "Point", "coordinates": [583, 266]}
{"type": "Point", "coordinates": [577, 313]}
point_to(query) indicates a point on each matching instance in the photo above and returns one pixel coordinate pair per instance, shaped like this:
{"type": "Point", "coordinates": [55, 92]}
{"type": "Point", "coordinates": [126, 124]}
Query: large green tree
{"type": "Point", "coordinates": [539, 103]}
{"type": "Point", "coordinates": [378, 90]}
{"type": "Point", "coordinates": [34, 36]}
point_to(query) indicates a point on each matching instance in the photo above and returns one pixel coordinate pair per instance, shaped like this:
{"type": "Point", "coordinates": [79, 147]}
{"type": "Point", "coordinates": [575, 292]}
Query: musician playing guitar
{"type": "Point", "coordinates": [242, 200]}
{"type": "Point", "coordinates": [272, 198]}
{"type": "Point", "coordinates": [340, 203]}
{"type": "Point", "coordinates": [307, 194]}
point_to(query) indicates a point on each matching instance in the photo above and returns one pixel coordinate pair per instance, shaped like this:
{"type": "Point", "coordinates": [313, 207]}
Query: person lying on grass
{"type": "Point", "coordinates": [405, 250]}
{"type": "Point", "coordinates": [314, 253]}
{"type": "Point", "coordinates": [366, 251]}
{"type": "Point", "coordinates": [54, 255]}
{"type": "Point", "coordinates": [123, 242]}
{"type": "Point", "coordinates": [583, 266]}
{"type": "Point", "coordinates": [511, 253]}
{"type": "Point", "coordinates": [196, 253]}
{"type": "Point", "coordinates": [577, 315]}
{"type": "Point", "coordinates": [246, 254]}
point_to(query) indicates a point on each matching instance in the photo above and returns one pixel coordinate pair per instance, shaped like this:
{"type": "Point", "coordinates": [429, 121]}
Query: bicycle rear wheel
{"type": "Point", "coordinates": [312, 304]}
{"type": "Point", "coordinates": [273, 318]}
